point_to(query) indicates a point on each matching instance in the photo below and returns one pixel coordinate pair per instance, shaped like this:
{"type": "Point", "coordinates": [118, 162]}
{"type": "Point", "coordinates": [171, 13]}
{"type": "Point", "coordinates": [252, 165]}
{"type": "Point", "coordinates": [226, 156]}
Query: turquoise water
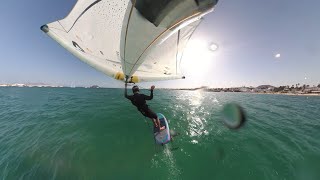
{"type": "Point", "coordinates": [77, 133]}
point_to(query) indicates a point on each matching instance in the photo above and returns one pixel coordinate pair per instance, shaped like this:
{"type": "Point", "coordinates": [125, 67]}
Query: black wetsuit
{"type": "Point", "coordinates": [139, 100]}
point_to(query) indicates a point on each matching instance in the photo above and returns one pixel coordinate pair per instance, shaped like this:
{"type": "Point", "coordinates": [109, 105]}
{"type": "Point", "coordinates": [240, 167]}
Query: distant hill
{"type": "Point", "coordinates": [94, 86]}
{"type": "Point", "coordinates": [265, 87]}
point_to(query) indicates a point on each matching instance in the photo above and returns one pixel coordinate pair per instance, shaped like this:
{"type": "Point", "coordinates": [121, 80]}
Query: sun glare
{"type": "Point", "coordinates": [214, 47]}
{"type": "Point", "coordinates": [197, 57]}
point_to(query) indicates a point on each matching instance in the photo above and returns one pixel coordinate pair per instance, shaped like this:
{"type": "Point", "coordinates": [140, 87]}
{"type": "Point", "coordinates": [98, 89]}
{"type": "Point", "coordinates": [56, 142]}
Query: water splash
{"type": "Point", "coordinates": [171, 164]}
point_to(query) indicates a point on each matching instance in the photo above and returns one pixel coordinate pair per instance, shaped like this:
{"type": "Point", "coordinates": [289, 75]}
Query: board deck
{"type": "Point", "coordinates": [162, 137]}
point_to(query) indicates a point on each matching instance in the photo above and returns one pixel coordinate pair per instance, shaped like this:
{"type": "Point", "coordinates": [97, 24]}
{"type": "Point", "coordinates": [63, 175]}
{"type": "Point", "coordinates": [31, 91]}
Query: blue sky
{"type": "Point", "coordinates": [249, 34]}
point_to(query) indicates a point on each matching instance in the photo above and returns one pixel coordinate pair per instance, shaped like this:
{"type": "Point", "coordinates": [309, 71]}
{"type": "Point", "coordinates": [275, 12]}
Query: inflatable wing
{"type": "Point", "coordinates": [137, 40]}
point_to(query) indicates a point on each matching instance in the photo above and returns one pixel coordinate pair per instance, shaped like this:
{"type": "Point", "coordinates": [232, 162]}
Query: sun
{"type": "Point", "coordinates": [214, 47]}
{"type": "Point", "coordinates": [197, 57]}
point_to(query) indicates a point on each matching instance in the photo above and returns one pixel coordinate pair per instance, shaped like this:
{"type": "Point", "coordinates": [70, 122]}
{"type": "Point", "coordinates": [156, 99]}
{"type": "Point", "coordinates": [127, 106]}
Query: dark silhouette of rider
{"type": "Point", "coordinates": [139, 100]}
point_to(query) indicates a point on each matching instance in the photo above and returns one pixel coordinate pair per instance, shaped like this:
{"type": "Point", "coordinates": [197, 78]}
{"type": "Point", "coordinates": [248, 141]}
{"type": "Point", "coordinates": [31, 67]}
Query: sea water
{"type": "Point", "coordinates": [78, 133]}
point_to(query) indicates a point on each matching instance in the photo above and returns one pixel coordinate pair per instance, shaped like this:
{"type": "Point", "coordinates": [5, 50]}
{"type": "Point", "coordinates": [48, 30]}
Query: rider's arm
{"type": "Point", "coordinates": [151, 94]}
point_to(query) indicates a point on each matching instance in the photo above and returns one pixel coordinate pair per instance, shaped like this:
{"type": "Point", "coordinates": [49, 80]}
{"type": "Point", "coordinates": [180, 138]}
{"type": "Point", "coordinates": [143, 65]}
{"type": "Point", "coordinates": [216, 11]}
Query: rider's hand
{"type": "Point", "coordinates": [152, 87]}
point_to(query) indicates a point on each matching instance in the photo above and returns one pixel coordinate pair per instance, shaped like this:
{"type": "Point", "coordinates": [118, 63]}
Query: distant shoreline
{"type": "Point", "coordinates": [270, 93]}
{"type": "Point", "coordinates": [187, 89]}
{"type": "Point", "coordinates": [290, 94]}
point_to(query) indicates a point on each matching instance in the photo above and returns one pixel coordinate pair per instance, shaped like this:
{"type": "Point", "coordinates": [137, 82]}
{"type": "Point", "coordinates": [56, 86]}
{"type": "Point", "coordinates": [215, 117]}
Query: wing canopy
{"type": "Point", "coordinates": [142, 39]}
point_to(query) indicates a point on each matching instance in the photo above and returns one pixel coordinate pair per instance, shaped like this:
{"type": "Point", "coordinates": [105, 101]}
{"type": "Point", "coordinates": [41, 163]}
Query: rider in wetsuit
{"type": "Point", "coordinates": [139, 100]}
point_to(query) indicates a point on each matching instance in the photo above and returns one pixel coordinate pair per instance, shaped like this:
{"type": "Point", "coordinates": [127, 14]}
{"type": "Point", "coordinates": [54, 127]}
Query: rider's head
{"type": "Point", "coordinates": [135, 89]}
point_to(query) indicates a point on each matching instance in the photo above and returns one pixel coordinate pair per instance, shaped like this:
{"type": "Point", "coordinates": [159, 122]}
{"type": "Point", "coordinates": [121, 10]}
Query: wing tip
{"type": "Point", "coordinates": [45, 28]}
